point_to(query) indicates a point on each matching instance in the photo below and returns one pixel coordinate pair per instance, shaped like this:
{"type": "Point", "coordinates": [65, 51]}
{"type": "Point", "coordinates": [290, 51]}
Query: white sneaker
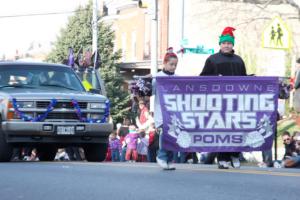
{"type": "Point", "coordinates": [277, 165]}
{"type": "Point", "coordinates": [235, 162]}
{"type": "Point", "coordinates": [26, 158]}
{"type": "Point", "coordinates": [162, 163]}
{"type": "Point", "coordinates": [223, 165]}
{"type": "Point", "coordinates": [262, 165]}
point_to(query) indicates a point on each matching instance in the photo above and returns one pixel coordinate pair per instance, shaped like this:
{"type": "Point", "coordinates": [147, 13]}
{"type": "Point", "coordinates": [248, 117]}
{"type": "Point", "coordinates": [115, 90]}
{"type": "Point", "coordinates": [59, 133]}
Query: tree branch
{"type": "Point", "coordinates": [295, 5]}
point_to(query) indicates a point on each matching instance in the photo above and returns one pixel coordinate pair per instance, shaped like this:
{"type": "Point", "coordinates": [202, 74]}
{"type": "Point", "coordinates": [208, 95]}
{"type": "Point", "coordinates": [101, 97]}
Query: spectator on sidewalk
{"type": "Point", "coordinates": [291, 157]}
{"type": "Point", "coordinates": [115, 147]}
{"type": "Point", "coordinates": [144, 119]}
{"type": "Point", "coordinates": [61, 155]}
{"type": "Point", "coordinates": [142, 147]}
{"type": "Point", "coordinates": [153, 143]}
{"type": "Point", "coordinates": [289, 145]}
{"type": "Point", "coordinates": [296, 96]}
{"type": "Point", "coordinates": [297, 74]}
{"type": "Point", "coordinates": [73, 153]}
{"type": "Point", "coordinates": [122, 132]}
{"type": "Point", "coordinates": [131, 141]}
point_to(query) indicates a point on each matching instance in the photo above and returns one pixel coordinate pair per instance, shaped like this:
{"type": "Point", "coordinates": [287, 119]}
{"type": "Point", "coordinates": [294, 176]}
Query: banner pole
{"type": "Point", "coordinates": [276, 143]}
{"type": "Point", "coordinates": [275, 138]}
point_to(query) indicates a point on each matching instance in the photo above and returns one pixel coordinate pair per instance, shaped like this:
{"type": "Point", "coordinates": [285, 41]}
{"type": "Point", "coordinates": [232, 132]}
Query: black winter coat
{"type": "Point", "coordinates": [225, 64]}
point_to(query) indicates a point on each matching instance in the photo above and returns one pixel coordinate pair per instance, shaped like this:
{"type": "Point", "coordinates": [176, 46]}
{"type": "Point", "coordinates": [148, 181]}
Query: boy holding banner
{"type": "Point", "coordinates": [225, 63]}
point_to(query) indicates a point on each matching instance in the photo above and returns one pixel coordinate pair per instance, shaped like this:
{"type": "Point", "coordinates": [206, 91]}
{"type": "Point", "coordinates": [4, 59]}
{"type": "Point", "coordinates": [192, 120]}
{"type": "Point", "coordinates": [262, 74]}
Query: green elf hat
{"type": "Point", "coordinates": [227, 35]}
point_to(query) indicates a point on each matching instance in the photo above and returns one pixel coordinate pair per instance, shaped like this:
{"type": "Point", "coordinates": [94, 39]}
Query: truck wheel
{"type": "Point", "coordinates": [46, 153]}
{"type": "Point", "coordinates": [95, 152]}
{"type": "Point", "coordinates": [6, 149]}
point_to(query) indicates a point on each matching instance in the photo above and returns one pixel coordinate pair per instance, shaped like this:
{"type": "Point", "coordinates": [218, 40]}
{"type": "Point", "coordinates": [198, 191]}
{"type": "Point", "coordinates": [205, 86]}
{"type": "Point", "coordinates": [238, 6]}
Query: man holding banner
{"type": "Point", "coordinates": [225, 63]}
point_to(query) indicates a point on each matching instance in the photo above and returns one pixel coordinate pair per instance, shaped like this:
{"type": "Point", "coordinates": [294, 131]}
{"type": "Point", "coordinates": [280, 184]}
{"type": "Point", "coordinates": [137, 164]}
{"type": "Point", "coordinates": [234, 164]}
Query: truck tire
{"type": "Point", "coordinates": [46, 153]}
{"type": "Point", "coordinates": [95, 152]}
{"type": "Point", "coordinates": [6, 150]}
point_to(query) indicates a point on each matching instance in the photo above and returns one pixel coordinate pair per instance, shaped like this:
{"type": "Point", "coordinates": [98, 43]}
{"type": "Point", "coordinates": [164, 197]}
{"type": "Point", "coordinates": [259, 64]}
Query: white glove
{"type": "Point", "coordinates": [119, 125]}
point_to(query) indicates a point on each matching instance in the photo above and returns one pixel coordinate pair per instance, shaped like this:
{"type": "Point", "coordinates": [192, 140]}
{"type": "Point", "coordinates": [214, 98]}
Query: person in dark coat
{"type": "Point", "coordinates": [225, 63]}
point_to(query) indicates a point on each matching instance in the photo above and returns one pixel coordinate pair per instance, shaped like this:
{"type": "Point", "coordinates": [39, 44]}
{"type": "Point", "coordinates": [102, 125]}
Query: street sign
{"type": "Point", "coordinates": [198, 50]}
{"type": "Point", "coordinates": [276, 35]}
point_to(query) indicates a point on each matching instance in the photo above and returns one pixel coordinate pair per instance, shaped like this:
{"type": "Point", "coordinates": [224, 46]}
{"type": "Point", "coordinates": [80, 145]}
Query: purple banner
{"type": "Point", "coordinates": [218, 114]}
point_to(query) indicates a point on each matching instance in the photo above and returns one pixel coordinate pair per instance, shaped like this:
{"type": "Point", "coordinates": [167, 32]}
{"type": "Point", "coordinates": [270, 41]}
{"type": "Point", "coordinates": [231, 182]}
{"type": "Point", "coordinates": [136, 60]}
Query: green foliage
{"type": "Point", "coordinates": [77, 34]}
{"type": "Point", "coordinates": [288, 64]}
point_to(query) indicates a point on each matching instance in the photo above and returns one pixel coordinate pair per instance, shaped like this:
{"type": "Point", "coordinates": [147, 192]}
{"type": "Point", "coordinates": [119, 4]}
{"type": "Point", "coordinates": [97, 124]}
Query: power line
{"type": "Point", "coordinates": [40, 14]}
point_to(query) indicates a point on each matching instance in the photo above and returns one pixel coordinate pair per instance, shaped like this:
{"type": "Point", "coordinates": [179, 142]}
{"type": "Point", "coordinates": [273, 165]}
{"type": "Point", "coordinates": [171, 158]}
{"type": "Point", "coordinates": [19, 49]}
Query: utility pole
{"type": "Point", "coordinates": [154, 38]}
{"type": "Point", "coordinates": [95, 37]}
{"type": "Point", "coordinates": [182, 20]}
{"type": "Point", "coordinates": [94, 26]}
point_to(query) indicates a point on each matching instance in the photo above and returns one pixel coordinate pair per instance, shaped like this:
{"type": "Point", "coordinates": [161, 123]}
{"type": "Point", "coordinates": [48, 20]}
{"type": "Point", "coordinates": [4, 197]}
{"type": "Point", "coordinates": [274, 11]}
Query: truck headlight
{"type": "Point", "coordinates": [97, 106]}
{"type": "Point", "coordinates": [25, 104]}
{"type": "Point", "coordinates": [31, 115]}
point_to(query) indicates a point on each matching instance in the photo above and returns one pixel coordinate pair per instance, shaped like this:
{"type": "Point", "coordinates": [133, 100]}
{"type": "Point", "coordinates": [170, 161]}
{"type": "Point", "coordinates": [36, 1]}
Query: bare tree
{"type": "Point", "coordinates": [295, 5]}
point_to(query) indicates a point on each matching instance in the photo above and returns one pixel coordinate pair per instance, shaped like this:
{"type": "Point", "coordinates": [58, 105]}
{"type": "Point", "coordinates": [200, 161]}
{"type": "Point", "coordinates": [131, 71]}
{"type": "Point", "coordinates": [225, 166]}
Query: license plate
{"type": "Point", "coordinates": [65, 130]}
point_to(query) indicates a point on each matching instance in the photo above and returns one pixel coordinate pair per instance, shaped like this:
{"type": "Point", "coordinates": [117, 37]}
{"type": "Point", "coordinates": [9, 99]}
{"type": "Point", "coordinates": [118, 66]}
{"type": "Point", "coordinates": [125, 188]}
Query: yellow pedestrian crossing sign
{"type": "Point", "coordinates": [276, 35]}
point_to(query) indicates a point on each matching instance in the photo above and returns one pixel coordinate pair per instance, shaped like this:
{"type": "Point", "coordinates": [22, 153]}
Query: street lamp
{"type": "Point", "coordinates": [143, 4]}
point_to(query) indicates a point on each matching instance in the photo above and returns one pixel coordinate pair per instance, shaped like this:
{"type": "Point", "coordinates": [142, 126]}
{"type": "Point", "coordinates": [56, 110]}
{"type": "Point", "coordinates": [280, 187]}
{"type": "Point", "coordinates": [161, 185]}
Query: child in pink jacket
{"type": "Point", "coordinates": [131, 141]}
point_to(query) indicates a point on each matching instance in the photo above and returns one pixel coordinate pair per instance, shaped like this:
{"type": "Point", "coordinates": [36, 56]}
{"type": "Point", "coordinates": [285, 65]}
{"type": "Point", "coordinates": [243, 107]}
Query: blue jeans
{"type": "Point", "coordinates": [179, 157]}
{"type": "Point", "coordinates": [115, 155]}
{"type": "Point", "coordinates": [162, 153]}
{"type": "Point", "coordinates": [152, 153]}
{"type": "Point", "coordinates": [296, 159]}
{"type": "Point", "coordinates": [267, 157]}
{"type": "Point", "coordinates": [123, 154]}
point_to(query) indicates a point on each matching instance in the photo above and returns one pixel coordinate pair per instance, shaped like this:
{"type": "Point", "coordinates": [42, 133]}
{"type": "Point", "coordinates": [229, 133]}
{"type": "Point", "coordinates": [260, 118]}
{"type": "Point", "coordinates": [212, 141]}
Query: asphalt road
{"type": "Point", "coordinates": [130, 181]}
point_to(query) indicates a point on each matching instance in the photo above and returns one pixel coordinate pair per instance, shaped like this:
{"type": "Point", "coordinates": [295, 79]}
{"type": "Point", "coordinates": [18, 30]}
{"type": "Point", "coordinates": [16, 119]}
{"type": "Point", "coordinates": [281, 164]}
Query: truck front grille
{"type": "Point", "coordinates": [53, 115]}
{"type": "Point", "coordinates": [44, 104]}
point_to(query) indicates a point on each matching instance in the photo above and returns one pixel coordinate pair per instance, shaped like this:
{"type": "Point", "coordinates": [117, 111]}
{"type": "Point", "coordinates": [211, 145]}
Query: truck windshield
{"type": "Point", "coordinates": [91, 77]}
{"type": "Point", "coordinates": [39, 76]}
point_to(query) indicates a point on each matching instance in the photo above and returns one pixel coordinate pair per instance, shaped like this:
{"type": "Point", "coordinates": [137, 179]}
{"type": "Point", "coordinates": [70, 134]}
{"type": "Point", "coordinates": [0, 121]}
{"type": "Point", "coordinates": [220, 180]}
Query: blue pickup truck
{"type": "Point", "coordinates": [48, 106]}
